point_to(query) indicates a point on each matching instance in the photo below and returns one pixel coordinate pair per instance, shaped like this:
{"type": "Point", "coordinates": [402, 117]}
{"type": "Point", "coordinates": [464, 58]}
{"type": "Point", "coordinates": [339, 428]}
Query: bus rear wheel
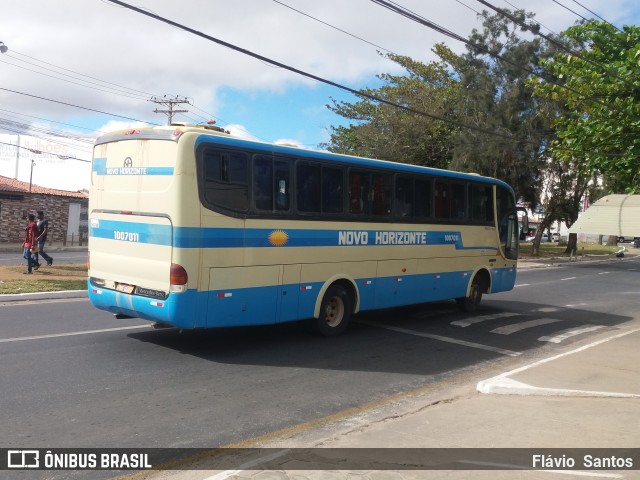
{"type": "Point", "coordinates": [470, 303]}
{"type": "Point", "coordinates": [335, 312]}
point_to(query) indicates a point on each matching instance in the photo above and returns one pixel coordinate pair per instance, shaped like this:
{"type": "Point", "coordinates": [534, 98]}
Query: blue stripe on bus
{"type": "Point", "coordinates": [132, 232]}
{"type": "Point", "coordinates": [267, 305]}
{"type": "Point", "coordinates": [100, 168]}
{"type": "Point", "coordinates": [194, 237]}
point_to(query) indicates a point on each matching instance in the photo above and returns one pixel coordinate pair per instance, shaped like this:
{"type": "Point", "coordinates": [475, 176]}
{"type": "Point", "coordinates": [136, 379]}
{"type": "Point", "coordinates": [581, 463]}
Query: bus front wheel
{"type": "Point", "coordinates": [470, 303]}
{"type": "Point", "coordinates": [335, 312]}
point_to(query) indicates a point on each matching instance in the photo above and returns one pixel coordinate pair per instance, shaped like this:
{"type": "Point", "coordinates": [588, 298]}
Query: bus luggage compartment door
{"type": "Point", "coordinates": [243, 295]}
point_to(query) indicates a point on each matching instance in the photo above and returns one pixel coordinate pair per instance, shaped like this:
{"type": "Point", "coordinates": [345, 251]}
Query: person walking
{"type": "Point", "coordinates": [43, 229]}
{"type": "Point", "coordinates": [30, 236]}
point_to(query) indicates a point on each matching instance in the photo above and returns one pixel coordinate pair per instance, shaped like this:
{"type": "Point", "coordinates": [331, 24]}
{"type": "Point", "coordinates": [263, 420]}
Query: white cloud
{"type": "Point", "coordinates": [126, 49]}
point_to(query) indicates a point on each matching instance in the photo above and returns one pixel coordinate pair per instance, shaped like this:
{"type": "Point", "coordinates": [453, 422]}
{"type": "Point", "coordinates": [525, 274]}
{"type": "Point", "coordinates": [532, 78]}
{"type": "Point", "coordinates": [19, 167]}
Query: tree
{"type": "Point", "coordinates": [496, 95]}
{"type": "Point", "coordinates": [601, 94]}
{"type": "Point", "coordinates": [386, 132]}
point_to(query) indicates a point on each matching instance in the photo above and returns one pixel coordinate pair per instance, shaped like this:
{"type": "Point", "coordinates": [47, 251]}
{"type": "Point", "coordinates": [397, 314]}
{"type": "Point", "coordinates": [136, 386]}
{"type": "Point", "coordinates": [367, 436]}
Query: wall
{"type": "Point", "coordinates": [13, 215]}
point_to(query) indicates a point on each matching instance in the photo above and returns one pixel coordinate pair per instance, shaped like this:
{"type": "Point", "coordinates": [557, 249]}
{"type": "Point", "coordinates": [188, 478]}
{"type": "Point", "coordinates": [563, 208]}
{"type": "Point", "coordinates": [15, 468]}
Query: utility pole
{"type": "Point", "coordinates": [170, 103]}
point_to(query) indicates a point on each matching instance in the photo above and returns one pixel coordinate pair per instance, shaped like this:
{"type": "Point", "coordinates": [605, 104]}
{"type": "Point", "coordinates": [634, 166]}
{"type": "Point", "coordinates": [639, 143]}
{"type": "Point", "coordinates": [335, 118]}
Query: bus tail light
{"type": "Point", "coordinates": [178, 278]}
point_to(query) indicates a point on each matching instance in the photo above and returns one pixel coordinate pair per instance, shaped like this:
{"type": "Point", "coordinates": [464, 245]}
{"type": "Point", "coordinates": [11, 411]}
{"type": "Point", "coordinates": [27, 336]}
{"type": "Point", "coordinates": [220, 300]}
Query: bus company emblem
{"type": "Point", "coordinates": [278, 238]}
{"type": "Point", "coordinates": [128, 162]}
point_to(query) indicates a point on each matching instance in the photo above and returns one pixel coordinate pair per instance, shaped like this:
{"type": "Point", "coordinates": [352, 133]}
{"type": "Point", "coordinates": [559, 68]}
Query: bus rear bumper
{"type": "Point", "coordinates": [178, 309]}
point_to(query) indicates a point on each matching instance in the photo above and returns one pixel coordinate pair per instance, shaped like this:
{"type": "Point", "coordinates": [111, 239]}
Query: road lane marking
{"type": "Point", "coordinates": [516, 327]}
{"type": "Point", "coordinates": [568, 278]}
{"type": "Point", "coordinates": [472, 321]}
{"type": "Point", "coordinates": [440, 338]}
{"type": "Point", "coordinates": [503, 384]}
{"type": "Point", "coordinates": [523, 285]}
{"type": "Point", "coordinates": [508, 466]}
{"type": "Point", "coordinates": [250, 465]}
{"type": "Point", "coordinates": [570, 333]}
{"type": "Point", "coordinates": [71, 334]}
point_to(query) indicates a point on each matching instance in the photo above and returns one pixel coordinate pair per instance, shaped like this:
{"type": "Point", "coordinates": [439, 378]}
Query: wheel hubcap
{"type": "Point", "coordinates": [334, 312]}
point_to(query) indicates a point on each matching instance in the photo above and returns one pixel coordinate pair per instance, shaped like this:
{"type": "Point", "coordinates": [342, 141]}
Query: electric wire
{"type": "Point", "coordinates": [307, 74]}
{"type": "Point", "coordinates": [124, 88]}
{"type": "Point", "coordinates": [397, 8]}
{"type": "Point", "coordinates": [561, 45]}
{"type": "Point", "coordinates": [333, 26]}
{"type": "Point", "coordinates": [62, 157]}
{"type": "Point", "coordinates": [596, 15]}
{"type": "Point", "coordinates": [78, 106]}
{"type": "Point", "coordinates": [69, 81]}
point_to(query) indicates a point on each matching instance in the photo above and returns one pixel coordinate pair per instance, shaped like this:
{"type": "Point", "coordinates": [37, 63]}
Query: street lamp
{"type": "Point", "coordinates": [3, 48]}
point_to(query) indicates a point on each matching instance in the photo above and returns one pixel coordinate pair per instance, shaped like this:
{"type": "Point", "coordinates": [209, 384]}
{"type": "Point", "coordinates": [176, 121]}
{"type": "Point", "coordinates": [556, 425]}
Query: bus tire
{"type": "Point", "coordinates": [335, 312]}
{"type": "Point", "coordinates": [470, 303]}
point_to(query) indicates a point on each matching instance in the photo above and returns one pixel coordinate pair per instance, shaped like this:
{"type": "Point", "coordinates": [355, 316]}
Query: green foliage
{"type": "Point", "coordinates": [472, 89]}
{"type": "Point", "coordinates": [601, 97]}
{"type": "Point", "coordinates": [383, 131]}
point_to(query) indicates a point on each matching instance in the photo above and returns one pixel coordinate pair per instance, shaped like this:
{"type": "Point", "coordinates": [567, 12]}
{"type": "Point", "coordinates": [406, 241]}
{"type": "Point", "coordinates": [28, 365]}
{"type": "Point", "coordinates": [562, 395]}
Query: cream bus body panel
{"type": "Point", "coordinates": [132, 215]}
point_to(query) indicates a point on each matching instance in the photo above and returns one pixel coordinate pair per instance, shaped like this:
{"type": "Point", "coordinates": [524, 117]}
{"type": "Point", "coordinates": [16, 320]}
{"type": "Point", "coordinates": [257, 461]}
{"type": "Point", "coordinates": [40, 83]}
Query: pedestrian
{"type": "Point", "coordinates": [30, 236]}
{"type": "Point", "coordinates": [43, 229]}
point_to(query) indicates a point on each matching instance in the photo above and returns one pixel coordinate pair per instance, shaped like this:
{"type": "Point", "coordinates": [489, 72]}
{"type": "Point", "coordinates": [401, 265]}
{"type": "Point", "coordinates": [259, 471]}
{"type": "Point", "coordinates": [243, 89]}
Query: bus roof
{"type": "Point", "coordinates": [206, 133]}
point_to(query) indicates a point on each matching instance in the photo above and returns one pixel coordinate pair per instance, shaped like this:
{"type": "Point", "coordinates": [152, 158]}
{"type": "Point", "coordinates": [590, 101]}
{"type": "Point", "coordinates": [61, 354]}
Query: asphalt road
{"type": "Point", "coordinates": [73, 376]}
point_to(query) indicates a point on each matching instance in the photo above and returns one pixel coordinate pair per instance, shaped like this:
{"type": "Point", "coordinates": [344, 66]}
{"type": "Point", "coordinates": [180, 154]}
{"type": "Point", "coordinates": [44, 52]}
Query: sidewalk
{"type": "Point", "coordinates": [586, 397]}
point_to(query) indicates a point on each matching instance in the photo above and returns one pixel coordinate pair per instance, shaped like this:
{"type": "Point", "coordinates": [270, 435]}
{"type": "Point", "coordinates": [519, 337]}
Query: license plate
{"type": "Point", "coordinates": [123, 287]}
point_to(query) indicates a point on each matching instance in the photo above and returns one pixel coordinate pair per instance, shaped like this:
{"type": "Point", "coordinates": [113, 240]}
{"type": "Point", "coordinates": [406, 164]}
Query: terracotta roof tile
{"type": "Point", "coordinates": [18, 186]}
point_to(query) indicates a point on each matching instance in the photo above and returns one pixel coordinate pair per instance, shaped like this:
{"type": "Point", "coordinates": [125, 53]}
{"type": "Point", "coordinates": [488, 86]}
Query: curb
{"type": "Point", "coordinates": [25, 297]}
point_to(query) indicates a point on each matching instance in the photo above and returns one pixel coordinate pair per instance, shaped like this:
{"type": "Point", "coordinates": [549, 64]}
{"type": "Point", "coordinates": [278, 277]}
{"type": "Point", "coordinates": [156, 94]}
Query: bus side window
{"type": "Point", "coordinates": [226, 179]}
{"type": "Point", "coordinates": [308, 185]}
{"type": "Point", "coordinates": [458, 201]}
{"type": "Point", "coordinates": [332, 189]}
{"type": "Point", "coordinates": [381, 201]}
{"type": "Point", "coordinates": [442, 200]}
{"type": "Point", "coordinates": [262, 183]}
{"type": "Point", "coordinates": [423, 198]}
{"type": "Point", "coordinates": [282, 185]}
{"type": "Point", "coordinates": [359, 192]}
{"type": "Point", "coordinates": [403, 206]}
{"type": "Point", "coordinates": [481, 203]}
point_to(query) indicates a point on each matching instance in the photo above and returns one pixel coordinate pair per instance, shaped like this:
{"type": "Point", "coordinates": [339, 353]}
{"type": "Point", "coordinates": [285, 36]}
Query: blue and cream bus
{"type": "Point", "coordinates": [193, 228]}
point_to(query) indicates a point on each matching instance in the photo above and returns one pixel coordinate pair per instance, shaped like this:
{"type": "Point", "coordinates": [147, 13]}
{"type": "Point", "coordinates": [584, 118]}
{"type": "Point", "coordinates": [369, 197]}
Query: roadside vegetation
{"type": "Point", "coordinates": [46, 279]}
{"type": "Point", "coordinates": [553, 116]}
{"type": "Point", "coordinates": [553, 249]}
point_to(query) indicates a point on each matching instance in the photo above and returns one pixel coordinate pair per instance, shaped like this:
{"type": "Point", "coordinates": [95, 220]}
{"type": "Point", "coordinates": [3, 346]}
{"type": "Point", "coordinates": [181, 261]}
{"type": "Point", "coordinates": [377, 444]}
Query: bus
{"type": "Point", "coordinates": [190, 227]}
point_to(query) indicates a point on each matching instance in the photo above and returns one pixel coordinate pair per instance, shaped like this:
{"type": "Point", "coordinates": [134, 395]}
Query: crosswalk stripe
{"type": "Point", "coordinates": [570, 333]}
{"type": "Point", "coordinates": [484, 318]}
{"type": "Point", "coordinates": [516, 327]}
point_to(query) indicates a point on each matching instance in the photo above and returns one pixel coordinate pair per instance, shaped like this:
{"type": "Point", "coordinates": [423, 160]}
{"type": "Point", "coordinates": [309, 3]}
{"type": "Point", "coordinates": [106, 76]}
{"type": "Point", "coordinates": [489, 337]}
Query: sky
{"type": "Point", "coordinates": [76, 68]}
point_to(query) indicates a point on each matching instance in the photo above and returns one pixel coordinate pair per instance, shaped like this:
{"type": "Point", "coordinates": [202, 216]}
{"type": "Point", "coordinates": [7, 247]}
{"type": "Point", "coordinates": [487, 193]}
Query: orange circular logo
{"type": "Point", "coordinates": [278, 238]}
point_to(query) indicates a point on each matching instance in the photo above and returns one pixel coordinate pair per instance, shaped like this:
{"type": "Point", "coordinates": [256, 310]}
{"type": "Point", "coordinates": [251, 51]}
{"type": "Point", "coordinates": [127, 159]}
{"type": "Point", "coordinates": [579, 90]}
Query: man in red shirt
{"type": "Point", "coordinates": [30, 235]}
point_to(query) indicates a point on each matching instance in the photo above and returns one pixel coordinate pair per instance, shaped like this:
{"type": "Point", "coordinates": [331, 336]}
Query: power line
{"type": "Point", "coordinates": [49, 120]}
{"type": "Point", "coordinates": [26, 128]}
{"type": "Point", "coordinates": [596, 15]}
{"type": "Point", "coordinates": [132, 90]}
{"type": "Point", "coordinates": [66, 80]}
{"type": "Point", "coordinates": [519, 8]}
{"type": "Point", "coordinates": [572, 11]}
{"type": "Point", "coordinates": [397, 8]}
{"type": "Point", "coordinates": [332, 26]}
{"type": "Point", "coordinates": [62, 157]}
{"type": "Point", "coordinates": [305, 74]}
{"type": "Point", "coordinates": [536, 31]}
{"type": "Point", "coordinates": [77, 106]}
